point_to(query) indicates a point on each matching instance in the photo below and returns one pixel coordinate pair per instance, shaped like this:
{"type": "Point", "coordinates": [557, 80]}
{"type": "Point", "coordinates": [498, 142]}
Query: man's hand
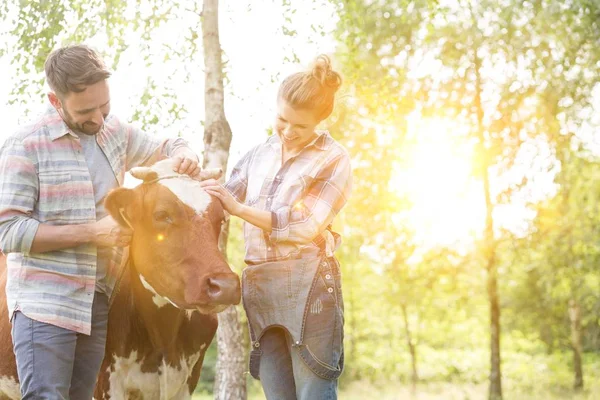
{"type": "Point", "coordinates": [108, 233]}
{"type": "Point", "coordinates": [186, 165]}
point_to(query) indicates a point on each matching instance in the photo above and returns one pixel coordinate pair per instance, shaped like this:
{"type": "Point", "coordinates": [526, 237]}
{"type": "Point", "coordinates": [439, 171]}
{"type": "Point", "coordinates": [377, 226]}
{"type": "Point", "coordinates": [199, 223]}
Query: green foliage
{"type": "Point", "coordinates": [521, 74]}
{"type": "Point", "coordinates": [496, 68]}
{"type": "Point", "coordinates": [114, 28]}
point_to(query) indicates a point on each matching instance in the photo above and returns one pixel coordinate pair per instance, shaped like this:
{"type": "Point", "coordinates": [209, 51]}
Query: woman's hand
{"type": "Point", "coordinates": [230, 204]}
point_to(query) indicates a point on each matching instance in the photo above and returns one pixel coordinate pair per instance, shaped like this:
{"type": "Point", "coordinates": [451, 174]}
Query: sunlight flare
{"type": "Point", "coordinates": [435, 176]}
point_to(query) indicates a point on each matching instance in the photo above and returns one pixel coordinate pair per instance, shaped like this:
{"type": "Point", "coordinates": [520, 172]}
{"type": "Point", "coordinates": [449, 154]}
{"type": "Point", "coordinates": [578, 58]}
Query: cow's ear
{"type": "Point", "coordinates": [210, 173]}
{"type": "Point", "coordinates": [216, 215]}
{"type": "Point", "coordinates": [119, 203]}
{"type": "Point", "coordinates": [144, 173]}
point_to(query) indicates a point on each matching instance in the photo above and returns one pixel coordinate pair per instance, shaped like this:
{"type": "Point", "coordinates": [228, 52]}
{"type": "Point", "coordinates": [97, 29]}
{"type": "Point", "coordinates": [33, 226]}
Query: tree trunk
{"type": "Point", "coordinates": [495, 391]}
{"type": "Point", "coordinates": [575, 317]}
{"type": "Point", "coordinates": [413, 351]}
{"type": "Point", "coordinates": [230, 381]}
{"type": "Point", "coordinates": [350, 320]}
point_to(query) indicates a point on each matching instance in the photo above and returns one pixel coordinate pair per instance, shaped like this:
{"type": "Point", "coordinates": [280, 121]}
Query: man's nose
{"type": "Point", "coordinates": [98, 118]}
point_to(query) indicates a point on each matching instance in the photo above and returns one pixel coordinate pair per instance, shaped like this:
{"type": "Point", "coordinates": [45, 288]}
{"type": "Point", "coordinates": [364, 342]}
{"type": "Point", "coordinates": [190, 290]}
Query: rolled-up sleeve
{"type": "Point", "coordinates": [19, 189]}
{"type": "Point", "coordinates": [237, 184]}
{"type": "Point", "coordinates": [324, 198]}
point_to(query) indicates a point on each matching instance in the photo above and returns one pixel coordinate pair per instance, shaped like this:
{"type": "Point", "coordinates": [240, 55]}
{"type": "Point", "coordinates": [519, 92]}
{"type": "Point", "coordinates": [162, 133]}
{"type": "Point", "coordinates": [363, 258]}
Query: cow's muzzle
{"type": "Point", "coordinates": [217, 289]}
{"type": "Point", "coordinates": [224, 289]}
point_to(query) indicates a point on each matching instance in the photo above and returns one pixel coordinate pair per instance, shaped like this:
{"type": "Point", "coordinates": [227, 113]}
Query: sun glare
{"type": "Point", "coordinates": [435, 176]}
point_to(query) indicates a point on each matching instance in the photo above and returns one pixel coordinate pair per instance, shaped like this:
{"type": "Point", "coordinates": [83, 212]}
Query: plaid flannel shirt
{"type": "Point", "coordinates": [303, 195]}
{"type": "Point", "coordinates": [44, 178]}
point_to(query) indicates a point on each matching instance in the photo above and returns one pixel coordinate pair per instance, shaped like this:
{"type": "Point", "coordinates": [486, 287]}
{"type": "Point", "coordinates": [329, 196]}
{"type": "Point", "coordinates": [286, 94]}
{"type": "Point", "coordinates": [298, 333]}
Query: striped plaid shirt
{"type": "Point", "coordinates": [44, 178]}
{"type": "Point", "coordinates": [303, 195]}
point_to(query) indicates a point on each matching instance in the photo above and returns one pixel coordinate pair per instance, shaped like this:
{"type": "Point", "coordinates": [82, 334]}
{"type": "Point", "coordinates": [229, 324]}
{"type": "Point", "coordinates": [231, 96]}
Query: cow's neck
{"type": "Point", "coordinates": [162, 324]}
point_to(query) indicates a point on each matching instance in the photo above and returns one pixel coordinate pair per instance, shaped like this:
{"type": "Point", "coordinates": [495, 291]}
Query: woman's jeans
{"type": "Point", "coordinates": [284, 375]}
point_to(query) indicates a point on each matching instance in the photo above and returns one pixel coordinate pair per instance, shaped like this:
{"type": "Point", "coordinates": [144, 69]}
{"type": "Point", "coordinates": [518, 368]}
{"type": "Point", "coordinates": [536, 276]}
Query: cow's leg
{"type": "Point", "coordinates": [9, 388]}
{"type": "Point", "coordinates": [90, 351]}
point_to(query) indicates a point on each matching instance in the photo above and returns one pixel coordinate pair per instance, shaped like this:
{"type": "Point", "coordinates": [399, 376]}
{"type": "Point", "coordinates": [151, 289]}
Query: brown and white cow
{"type": "Point", "coordinates": [163, 316]}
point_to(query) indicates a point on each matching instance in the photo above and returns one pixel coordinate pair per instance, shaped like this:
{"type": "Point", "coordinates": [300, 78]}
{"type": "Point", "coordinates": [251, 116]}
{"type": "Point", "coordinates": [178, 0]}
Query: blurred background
{"type": "Point", "coordinates": [471, 243]}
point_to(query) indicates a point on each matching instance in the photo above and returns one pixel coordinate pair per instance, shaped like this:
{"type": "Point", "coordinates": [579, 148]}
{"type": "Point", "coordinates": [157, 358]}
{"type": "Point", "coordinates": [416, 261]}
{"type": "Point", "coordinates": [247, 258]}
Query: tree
{"type": "Point", "coordinates": [230, 381]}
{"type": "Point", "coordinates": [491, 66]}
{"type": "Point", "coordinates": [115, 29]}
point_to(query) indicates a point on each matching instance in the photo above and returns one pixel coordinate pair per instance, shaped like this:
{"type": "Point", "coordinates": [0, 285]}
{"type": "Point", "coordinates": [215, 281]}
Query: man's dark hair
{"type": "Point", "coordinates": [72, 68]}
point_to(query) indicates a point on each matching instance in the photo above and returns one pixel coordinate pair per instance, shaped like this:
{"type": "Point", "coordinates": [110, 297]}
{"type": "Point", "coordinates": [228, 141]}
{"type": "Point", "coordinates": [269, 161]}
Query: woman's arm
{"type": "Point", "coordinates": [255, 216]}
{"type": "Point", "coordinates": [321, 202]}
{"type": "Point", "coordinates": [305, 220]}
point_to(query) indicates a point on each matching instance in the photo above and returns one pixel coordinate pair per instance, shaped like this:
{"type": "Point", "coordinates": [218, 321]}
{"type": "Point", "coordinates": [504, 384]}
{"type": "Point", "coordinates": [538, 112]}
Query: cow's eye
{"type": "Point", "coordinates": [162, 216]}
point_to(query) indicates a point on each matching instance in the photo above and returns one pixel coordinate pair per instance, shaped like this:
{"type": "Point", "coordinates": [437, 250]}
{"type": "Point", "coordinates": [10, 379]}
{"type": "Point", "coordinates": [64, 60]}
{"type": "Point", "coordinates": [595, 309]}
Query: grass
{"type": "Point", "coordinates": [463, 376]}
{"type": "Point", "coordinates": [440, 391]}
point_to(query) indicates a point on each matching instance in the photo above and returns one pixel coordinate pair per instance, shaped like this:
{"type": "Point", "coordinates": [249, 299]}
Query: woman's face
{"type": "Point", "coordinates": [295, 127]}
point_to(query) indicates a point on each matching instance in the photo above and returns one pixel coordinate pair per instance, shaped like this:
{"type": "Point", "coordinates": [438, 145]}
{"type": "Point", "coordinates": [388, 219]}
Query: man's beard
{"type": "Point", "coordinates": [88, 127]}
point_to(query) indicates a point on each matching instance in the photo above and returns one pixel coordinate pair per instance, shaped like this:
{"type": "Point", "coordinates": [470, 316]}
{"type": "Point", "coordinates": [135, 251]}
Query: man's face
{"type": "Point", "coordinates": [84, 111]}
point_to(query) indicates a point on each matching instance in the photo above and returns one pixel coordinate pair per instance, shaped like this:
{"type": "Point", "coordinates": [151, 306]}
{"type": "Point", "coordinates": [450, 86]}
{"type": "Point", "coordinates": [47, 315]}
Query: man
{"type": "Point", "coordinates": [63, 250]}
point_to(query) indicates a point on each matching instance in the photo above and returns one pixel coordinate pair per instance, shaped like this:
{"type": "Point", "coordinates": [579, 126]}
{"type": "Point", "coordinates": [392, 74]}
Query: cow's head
{"type": "Point", "coordinates": [174, 247]}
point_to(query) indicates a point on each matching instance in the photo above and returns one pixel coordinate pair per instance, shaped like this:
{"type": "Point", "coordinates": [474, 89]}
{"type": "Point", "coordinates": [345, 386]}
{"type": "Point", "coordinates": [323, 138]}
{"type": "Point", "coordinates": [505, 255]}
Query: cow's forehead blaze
{"type": "Point", "coordinates": [187, 190]}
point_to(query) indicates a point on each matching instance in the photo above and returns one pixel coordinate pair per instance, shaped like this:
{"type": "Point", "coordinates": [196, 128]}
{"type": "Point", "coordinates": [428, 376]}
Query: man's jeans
{"type": "Point", "coordinates": [56, 363]}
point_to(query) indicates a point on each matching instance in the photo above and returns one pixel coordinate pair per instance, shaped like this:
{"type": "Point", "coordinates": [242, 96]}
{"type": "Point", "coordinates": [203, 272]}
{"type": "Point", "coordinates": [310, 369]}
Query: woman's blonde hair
{"type": "Point", "coordinates": [313, 89]}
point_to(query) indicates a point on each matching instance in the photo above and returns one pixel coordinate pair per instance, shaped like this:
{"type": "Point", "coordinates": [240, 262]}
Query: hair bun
{"type": "Point", "coordinates": [323, 73]}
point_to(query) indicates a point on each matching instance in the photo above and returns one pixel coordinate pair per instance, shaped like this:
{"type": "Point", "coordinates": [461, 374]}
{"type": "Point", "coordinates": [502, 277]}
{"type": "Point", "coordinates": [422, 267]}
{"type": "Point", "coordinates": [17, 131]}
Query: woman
{"type": "Point", "coordinates": [288, 191]}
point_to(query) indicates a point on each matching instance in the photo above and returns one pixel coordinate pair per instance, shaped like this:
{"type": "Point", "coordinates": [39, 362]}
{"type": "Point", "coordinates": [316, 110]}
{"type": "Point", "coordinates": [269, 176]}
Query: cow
{"type": "Point", "coordinates": [163, 313]}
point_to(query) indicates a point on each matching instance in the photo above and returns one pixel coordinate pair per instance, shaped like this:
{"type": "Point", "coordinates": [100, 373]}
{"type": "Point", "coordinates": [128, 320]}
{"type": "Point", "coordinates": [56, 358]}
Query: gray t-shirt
{"type": "Point", "coordinates": [103, 180]}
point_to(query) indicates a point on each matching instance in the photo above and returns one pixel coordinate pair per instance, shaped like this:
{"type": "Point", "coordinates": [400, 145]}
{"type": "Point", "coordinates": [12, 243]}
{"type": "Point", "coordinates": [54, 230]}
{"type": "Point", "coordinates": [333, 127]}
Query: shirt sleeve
{"type": "Point", "coordinates": [322, 201]}
{"type": "Point", "coordinates": [144, 149]}
{"type": "Point", "coordinates": [237, 184]}
{"type": "Point", "coordinates": [19, 190]}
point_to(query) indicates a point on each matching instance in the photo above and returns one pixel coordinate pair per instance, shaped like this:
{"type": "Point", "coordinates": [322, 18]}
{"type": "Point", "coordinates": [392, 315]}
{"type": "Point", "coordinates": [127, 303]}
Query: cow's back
{"type": "Point", "coordinates": [9, 388]}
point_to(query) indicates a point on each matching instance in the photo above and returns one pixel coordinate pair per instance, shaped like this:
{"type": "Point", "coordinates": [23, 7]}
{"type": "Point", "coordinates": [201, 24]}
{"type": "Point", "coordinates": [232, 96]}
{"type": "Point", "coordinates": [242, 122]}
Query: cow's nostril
{"type": "Point", "coordinates": [214, 288]}
{"type": "Point", "coordinates": [224, 289]}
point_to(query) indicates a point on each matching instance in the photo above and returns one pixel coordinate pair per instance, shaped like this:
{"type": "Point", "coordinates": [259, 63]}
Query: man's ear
{"type": "Point", "coordinates": [120, 204]}
{"type": "Point", "coordinates": [54, 100]}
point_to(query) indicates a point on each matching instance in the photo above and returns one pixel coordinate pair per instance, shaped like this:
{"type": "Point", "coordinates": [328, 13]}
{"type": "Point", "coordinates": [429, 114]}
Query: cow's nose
{"type": "Point", "coordinates": [224, 289]}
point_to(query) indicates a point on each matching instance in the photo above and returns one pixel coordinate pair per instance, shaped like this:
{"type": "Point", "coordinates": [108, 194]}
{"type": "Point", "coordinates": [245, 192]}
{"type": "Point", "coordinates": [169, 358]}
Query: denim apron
{"type": "Point", "coordinates": [304, 297]}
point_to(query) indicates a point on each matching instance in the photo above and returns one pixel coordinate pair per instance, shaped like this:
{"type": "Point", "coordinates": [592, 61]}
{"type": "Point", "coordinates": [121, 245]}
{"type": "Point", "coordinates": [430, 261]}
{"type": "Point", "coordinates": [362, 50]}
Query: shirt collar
{"type": "Point", "coordinates": [57, 127]}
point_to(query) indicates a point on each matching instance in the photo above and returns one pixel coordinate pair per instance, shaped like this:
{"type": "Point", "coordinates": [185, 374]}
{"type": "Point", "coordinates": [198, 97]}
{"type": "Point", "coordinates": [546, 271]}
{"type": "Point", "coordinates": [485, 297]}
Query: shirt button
{"type": "Point", "coordinates": [327, 276]}
{"type": "Point", "coordinates": [268, 248]}
{"type": "Point", "coordinates": [330, 290]}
